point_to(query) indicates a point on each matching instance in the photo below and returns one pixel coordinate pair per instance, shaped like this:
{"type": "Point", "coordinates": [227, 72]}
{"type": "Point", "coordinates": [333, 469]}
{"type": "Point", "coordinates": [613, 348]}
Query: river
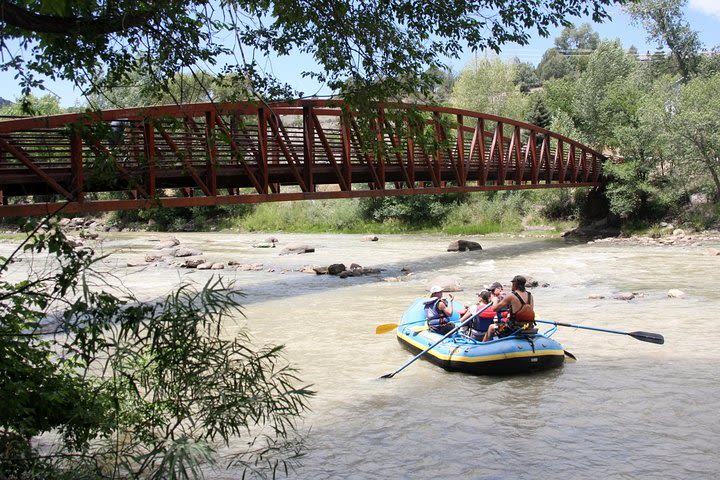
{"type": "Point", "coordinates": [625, 409]}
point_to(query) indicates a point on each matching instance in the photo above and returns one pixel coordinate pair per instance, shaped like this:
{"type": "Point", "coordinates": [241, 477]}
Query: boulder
{"type": "Point", "coordinates": [192, 262]}
{"type": "Point", "coordinates": [320, 270]}
{"type": "Point", "coordinates": [336, 268]}
{"type": "Point", "coordinates": [624, 296]}
{"type": "Point", "coordinates": [218, 266]}
{"type": "Point", "coordinates": [297, 249]}
{"type": "Point", "coordinates": [187, 252]}
{"type": "Point", "coordinates": [370, 238]}
{"type": "Point", "coordinates": [271, 240]}
{"type": "Point", "coordinates": [165, 244]}
{"type": "Point", "coordinates": [463, 245]}
{"type": "Point", "coordinates": [449, 283]}
{"type": "Point", "coordinates": [675, 293]}
{"type": "Point", "coordinates": [369, 271]}
{"type": "Point", "coordinates": [150, 258]}
{"type": "Point", "coordinates": [74, 241]}
{"type": "Point", "coordinates": [255, 267]}
{"type": "Point", "coordinates": [170, 239]}
{"type": "Point", "coordinates": [204, 266]}
{"type": "Point", "coordinates": [136, 263]}
{"type": "Point", "coordinates": [596, 296]}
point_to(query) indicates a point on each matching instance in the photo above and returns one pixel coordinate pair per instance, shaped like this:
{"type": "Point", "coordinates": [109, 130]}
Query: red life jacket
{"type": "Point", "coordinates": [526, 314]}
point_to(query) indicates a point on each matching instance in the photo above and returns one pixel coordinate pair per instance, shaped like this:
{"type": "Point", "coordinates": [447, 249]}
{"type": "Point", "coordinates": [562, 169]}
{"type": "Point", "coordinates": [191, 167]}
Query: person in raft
{"type": "Point", "coordinates": [479, 325]}
{"type": "Point", "coordinates": [438, 310]}
{"type": "Point", "coordinates": [521, 315]}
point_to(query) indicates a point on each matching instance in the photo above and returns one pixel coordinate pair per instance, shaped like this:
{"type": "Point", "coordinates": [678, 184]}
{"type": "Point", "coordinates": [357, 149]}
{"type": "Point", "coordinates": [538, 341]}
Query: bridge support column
{"type": "Point", "coordinates": [308, 148]}
{"type": "Point", "coordinates": [211, 176]}
{"type": "Point", "coordinates": [149, 143]}
{"type": "Point", "coordinates": [263, 149]}
{"type": "Point", "coordinates": [76, 166]}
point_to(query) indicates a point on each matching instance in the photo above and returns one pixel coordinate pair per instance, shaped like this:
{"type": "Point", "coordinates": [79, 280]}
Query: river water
{"type": "Point", "coordinates": [625, 409]}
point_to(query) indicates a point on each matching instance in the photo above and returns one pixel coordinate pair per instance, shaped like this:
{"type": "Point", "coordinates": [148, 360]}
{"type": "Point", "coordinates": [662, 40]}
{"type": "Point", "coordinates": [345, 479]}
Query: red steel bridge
{"type": "Point", "coordinates": [250, 152]}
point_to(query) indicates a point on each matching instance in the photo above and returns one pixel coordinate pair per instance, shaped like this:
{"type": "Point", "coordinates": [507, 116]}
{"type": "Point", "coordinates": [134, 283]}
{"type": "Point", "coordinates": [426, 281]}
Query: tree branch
{"type": "Point", "coordinates": [13, 15]}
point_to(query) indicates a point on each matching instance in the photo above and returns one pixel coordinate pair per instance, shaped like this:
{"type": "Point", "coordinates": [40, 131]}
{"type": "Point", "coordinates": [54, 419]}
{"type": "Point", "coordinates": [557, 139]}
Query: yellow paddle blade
{"type": "Point", "coordinates": [385, 327]}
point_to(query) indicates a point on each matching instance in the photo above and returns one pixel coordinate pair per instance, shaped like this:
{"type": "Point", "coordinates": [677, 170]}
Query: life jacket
{"type": "Point", "coordinates": [432, 312]}
{"type": "Point", "coordinates": [481, 322]}
{"type": "Point", "coordinates": [436, 319]}
{"type": "Point", "coordinates": [526, 314]}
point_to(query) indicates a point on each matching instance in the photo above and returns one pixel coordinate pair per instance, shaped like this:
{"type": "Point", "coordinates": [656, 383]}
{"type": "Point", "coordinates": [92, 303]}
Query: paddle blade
{"type": "Point", "coordinates": [648, 337]}
{"type": "Point", "coordinates": [385, 327]}
{"type": "Point", "coordinates": [389, 375]}
{"type": "Point", "coordinates": [572, 358]}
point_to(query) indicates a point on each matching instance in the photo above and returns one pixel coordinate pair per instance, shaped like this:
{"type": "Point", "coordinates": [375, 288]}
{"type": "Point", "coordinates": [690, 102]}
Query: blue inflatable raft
{"type": "Point", "coordinates": [519, 353]}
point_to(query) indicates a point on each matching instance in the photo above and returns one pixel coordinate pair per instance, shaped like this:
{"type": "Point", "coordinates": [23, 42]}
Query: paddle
{"type": "Point", "coordinates": [389, 327]}
{"type": "Point", "coordinates": [407, 364]}
{"type": "Point", "coordinates": [642, 336]}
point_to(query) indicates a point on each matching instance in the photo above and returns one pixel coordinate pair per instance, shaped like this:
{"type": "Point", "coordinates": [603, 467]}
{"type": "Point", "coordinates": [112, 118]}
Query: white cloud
{"type": "Point", "coordinates": [711, 7]}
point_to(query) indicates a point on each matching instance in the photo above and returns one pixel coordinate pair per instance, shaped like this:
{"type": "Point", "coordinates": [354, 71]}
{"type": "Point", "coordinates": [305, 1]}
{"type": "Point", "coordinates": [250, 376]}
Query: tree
{"type": "Point", "coordinates": [573, 39]}
{"type": "Point", "coordinates": [665, 23]}
{"type": "Point", "coordinates": [384, 48]}
{"type": "Point", "coordinates": [45, 105]}
{"type": "Point", "coordinates": [136, 389]}
{"type": "Point", "coordinates": [538, 114]}
{"type": "Point", "coordinates": [554, 65]}
{"type": "Point", "coordinates": [608, 65]}
{"type": "Point", "coordinates": [488, 85]}
{"type": "Point", "coordinates": [694, 119]}
{"type": "Point", "coordinates": [525, 76]}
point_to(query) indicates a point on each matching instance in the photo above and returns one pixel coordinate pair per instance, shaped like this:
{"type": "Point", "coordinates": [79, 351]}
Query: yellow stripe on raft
{"type": "Point", "coordinates": [457, 357]}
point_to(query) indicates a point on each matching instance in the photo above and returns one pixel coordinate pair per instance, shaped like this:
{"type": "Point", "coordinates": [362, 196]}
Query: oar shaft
{"type": "Point", "coordinates": [407, 364]}
{"type": "Point", "coordinates": [642, 336]}
{"type": "Point", "coordinates": [582, 327]}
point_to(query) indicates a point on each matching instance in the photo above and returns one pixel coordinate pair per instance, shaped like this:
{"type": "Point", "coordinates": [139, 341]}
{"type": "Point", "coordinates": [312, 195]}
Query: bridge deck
{"type": "Point", "coordinates": [207, 154]}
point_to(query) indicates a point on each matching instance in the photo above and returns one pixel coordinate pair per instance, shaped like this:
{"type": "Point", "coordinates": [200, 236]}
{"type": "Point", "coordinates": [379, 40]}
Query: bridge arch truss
{"type": "Point", "coordinates": [248, 152]}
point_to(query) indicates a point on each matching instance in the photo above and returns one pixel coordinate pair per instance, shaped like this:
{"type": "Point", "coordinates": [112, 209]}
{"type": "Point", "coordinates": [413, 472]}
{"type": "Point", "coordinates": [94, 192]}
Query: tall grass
{"type": "Point", "coordinates": [470, 214]}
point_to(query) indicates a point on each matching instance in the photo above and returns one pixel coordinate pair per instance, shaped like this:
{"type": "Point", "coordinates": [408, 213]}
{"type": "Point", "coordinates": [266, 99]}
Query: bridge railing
{"type": "Point", "coordinates": [204, 154]}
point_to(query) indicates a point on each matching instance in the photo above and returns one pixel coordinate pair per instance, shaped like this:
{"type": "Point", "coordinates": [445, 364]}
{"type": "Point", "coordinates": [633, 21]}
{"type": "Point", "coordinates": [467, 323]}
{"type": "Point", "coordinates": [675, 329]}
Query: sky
{"type": "Point", "coordinates": [703, 16]}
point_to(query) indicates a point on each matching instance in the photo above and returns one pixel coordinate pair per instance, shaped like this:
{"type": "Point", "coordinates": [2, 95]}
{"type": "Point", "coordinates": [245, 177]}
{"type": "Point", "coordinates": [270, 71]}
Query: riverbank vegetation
{"type": "Point", "coordinates": [482, 213]}
{"type": "Point", "coordinates": [132, 388]}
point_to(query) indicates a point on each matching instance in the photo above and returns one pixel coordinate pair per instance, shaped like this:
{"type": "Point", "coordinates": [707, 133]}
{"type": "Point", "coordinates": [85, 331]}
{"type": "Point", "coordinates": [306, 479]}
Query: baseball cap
{"type": "Point", "coordinates": [436, 289]}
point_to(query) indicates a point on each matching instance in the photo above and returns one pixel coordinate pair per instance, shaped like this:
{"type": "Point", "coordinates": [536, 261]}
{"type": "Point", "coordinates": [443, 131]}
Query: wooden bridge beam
{"type": "Point", "coordinates": [41, 155]}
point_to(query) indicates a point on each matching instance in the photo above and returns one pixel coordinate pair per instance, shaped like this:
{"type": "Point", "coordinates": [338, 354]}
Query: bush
{"type": "Point", "coordinates": [134, 389]}
{"type": "Point", "coordinates": [412, 210]}
{"type": "Point", "coordinates": [181, 218]}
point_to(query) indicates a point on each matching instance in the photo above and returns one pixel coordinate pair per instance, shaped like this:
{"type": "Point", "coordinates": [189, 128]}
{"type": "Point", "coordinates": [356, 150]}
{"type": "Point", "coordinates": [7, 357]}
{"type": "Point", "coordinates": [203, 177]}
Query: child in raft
{"type": "Point", "coordinates": [479, 325]}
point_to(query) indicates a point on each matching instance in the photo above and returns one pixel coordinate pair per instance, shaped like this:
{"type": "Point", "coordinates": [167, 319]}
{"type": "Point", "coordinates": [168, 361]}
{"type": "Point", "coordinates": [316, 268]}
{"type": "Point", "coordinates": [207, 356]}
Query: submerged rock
{"type": "Point", "coordinates": [297, 249]}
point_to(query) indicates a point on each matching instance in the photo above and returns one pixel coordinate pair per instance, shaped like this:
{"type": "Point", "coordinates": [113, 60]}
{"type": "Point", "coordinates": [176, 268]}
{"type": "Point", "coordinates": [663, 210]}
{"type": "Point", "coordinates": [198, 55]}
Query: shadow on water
{"type": "Point", "coordinates": [426, 263]}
